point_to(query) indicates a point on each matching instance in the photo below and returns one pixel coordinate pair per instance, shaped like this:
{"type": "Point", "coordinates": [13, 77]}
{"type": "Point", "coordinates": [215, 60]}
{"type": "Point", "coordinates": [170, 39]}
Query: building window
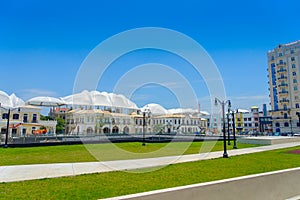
{"type": "Point", "coordinates": [285, 116]}
{"type": "Point", "coordinates": [25, 118]}
{"type": "Point", "coordinates": [284, 107]}
{"type": "Point", "coordinates": [280, 54]}
{"type": "Point", "coordinates": [294, 80]}
{"type": "Point", "coordinates": [281, 62]}
{"type": "Point", "coordinates": [249, 119]}
{"type": "Point", "coordinates": [286, 124]}
{"type": "Point", "coordinates": [292, 51]}
{"type": "Point", "coordinates": [293, 66]}
{"type": "Point", "coordinates": [4, 115]}
{"type": "Point", "coordinates": [294, 74]}
{"type": "Point", "coordinates": [34, 118]}
{"type": "Point", "coordinates": [32, 129]}
{"type": "Point", "coordinates": [297, 105]}
{"type": "Point", "coordinates": [16, 116]}
{"type": "Point", "coordinates": [245, 119]}
{"type": "Point", "coordinates": [277, 124]}
{"type": "Point", "coordinates": [292, 58]}
{"type": "Point", "coordinates": [295, 88]}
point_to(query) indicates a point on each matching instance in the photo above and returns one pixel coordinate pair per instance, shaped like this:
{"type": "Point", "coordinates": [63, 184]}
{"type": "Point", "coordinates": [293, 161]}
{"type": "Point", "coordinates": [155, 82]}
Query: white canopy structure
{"type": "Point", "coordinates": [96, 98]}
{"type": "Point", "coordinates": [45, 101]}
{"type": "Point", "coordinates": [10, 101]}
{"type": "Point", "coordinates": [156, 109]}
{"type": "Point", "coordinates": [182, 111]}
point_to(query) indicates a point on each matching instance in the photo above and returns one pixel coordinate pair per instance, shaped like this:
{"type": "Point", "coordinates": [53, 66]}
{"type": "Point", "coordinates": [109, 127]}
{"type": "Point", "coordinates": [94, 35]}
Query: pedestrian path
{"type": "Point", "coordinates": [40, 171]}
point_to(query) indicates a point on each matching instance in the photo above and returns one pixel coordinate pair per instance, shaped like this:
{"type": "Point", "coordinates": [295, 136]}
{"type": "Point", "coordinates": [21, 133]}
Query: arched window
{"type": "Point", "coordinates": [277, 124]}
{"type": "Point", "coordinates": [285, 116]}
{"type": "Point", "coordinates": [297, 105]}
{"type": "Point", "coordinates": [126, 129]}
{"type": "Point", "coordinates": [106, 130]}
{"type": "Point", "coordinates": [286, 124]}
{"type": "Point", "coordinates": [89, 130]}
{"type": "Point", "coordinates": [115, 129]}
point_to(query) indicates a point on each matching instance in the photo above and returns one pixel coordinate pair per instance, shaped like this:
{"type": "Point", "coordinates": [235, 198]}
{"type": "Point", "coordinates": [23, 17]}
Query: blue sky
{"type": "Point", "coordinates": [43, 43]}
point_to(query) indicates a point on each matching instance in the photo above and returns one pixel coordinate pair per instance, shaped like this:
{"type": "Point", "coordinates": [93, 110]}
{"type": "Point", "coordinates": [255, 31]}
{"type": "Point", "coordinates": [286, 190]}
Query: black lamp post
{"type": "Point", "coordinates": [146, 114]}
{"type": "Point", "coordinates": [228, 131]}
{"type": "Point", "coordinates": [7, 124]}
{"type": "Point", "coordinates": [223, 103]}
{"type": "Point", "coordinates": [298, 114]}
{"type": "Point", "coordinates": [233, 127]}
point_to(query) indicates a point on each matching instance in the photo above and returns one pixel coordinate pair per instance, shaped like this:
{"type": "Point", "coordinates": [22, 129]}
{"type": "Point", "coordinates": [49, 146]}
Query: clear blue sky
{"type": "Point", "coordinates": [43, 43]}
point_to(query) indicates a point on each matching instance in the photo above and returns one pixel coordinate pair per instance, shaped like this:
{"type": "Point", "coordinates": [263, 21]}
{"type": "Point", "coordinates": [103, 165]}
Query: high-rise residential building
{"type": "Point", "coordinates": [284, 86]}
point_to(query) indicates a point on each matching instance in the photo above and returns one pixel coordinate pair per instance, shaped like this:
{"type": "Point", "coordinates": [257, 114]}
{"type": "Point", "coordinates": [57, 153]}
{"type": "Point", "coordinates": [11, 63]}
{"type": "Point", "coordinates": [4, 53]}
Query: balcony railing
{"type": "Point", "coordinates": [281, 70]}
{"type": "Point", "coordinates": [283, 92]}
{"type": "Point", "coordinates": [283, 85]}
{"type": "Point", "coordinates": [282, 77]}
{"type": "Point", "coordinates": [284, 101]}
{"type": "Point", "coordinates": [283, 63]}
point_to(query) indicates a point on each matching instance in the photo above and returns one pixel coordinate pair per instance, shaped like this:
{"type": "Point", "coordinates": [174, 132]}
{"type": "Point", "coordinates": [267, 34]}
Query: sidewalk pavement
{"type": "Point", "coordinates": [40, 171]}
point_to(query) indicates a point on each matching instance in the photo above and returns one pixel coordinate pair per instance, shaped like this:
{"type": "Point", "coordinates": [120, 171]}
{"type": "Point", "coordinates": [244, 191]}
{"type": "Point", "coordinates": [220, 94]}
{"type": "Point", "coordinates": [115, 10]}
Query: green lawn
{"type": "Point", "coordinates": [110, 184]}
{"type": "Point", "coordinates": [104, 152]}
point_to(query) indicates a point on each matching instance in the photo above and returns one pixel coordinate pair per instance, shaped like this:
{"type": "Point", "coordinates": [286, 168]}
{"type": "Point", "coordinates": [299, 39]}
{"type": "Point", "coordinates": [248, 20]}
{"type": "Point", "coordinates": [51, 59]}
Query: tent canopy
{"type": "Point", "coordinates": [45, 101]}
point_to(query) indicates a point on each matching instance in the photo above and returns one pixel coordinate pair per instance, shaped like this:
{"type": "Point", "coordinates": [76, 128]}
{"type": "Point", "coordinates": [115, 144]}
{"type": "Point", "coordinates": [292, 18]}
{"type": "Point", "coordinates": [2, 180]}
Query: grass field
{"type": "Point", "coordinates": [104, 152]}
{"type": "Point", "coordinates": [95, 186]}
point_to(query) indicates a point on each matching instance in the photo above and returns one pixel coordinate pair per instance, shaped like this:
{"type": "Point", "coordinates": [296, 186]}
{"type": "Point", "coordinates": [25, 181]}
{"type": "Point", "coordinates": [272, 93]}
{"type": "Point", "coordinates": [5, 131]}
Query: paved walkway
{"type": "Point", "coordinates": [40, 171]}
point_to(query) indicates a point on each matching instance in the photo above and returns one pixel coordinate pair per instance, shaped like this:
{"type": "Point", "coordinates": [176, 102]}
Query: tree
{"type": "Point", "coordinates": [60, 126]}
{"type": "Point", "coordinates": [159, 128]}
{"type": "Point", "coordinates": [42, 117]}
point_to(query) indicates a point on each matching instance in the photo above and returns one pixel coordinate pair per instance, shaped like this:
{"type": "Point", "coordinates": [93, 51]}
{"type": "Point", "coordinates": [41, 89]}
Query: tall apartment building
{"type": "Point", "coordinates": [284, 86]}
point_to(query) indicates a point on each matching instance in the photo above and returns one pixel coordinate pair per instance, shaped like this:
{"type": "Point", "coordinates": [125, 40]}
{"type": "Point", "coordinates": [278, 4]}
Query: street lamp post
{"type": "Point", "coordinates": [225, 155]}
{"type": "Point", "coordinates": [291, 123]}
{"type": "Point", "coordinates": [228, 130]}
{"type": "Point", "coordinates": [298, 114]}
{"type": "Point", "coordinates": [233, 127]}
{"type": "Point", "coordinates": [7, 128]}
{"type": "Point", "coordinates": [146, 114]}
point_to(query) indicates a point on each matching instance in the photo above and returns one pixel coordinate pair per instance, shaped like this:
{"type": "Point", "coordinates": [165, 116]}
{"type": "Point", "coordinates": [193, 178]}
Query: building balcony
{"type": "Point", "coordinates": [282, 77]}
{"type": "Point", "coordinates": [281, 64]}
{"type": "Point", "coordinates": [283, 85]}
{"type": "Point", "coordinates": [283, 92]}
{"type": "Point", "coordinates": [281, 71]}
{"type": "Point", "coordinates": [284, 101]}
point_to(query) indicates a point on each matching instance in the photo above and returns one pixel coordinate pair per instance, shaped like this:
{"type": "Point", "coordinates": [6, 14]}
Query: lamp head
{"type": "Point", "coordinates": [216, 102]}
